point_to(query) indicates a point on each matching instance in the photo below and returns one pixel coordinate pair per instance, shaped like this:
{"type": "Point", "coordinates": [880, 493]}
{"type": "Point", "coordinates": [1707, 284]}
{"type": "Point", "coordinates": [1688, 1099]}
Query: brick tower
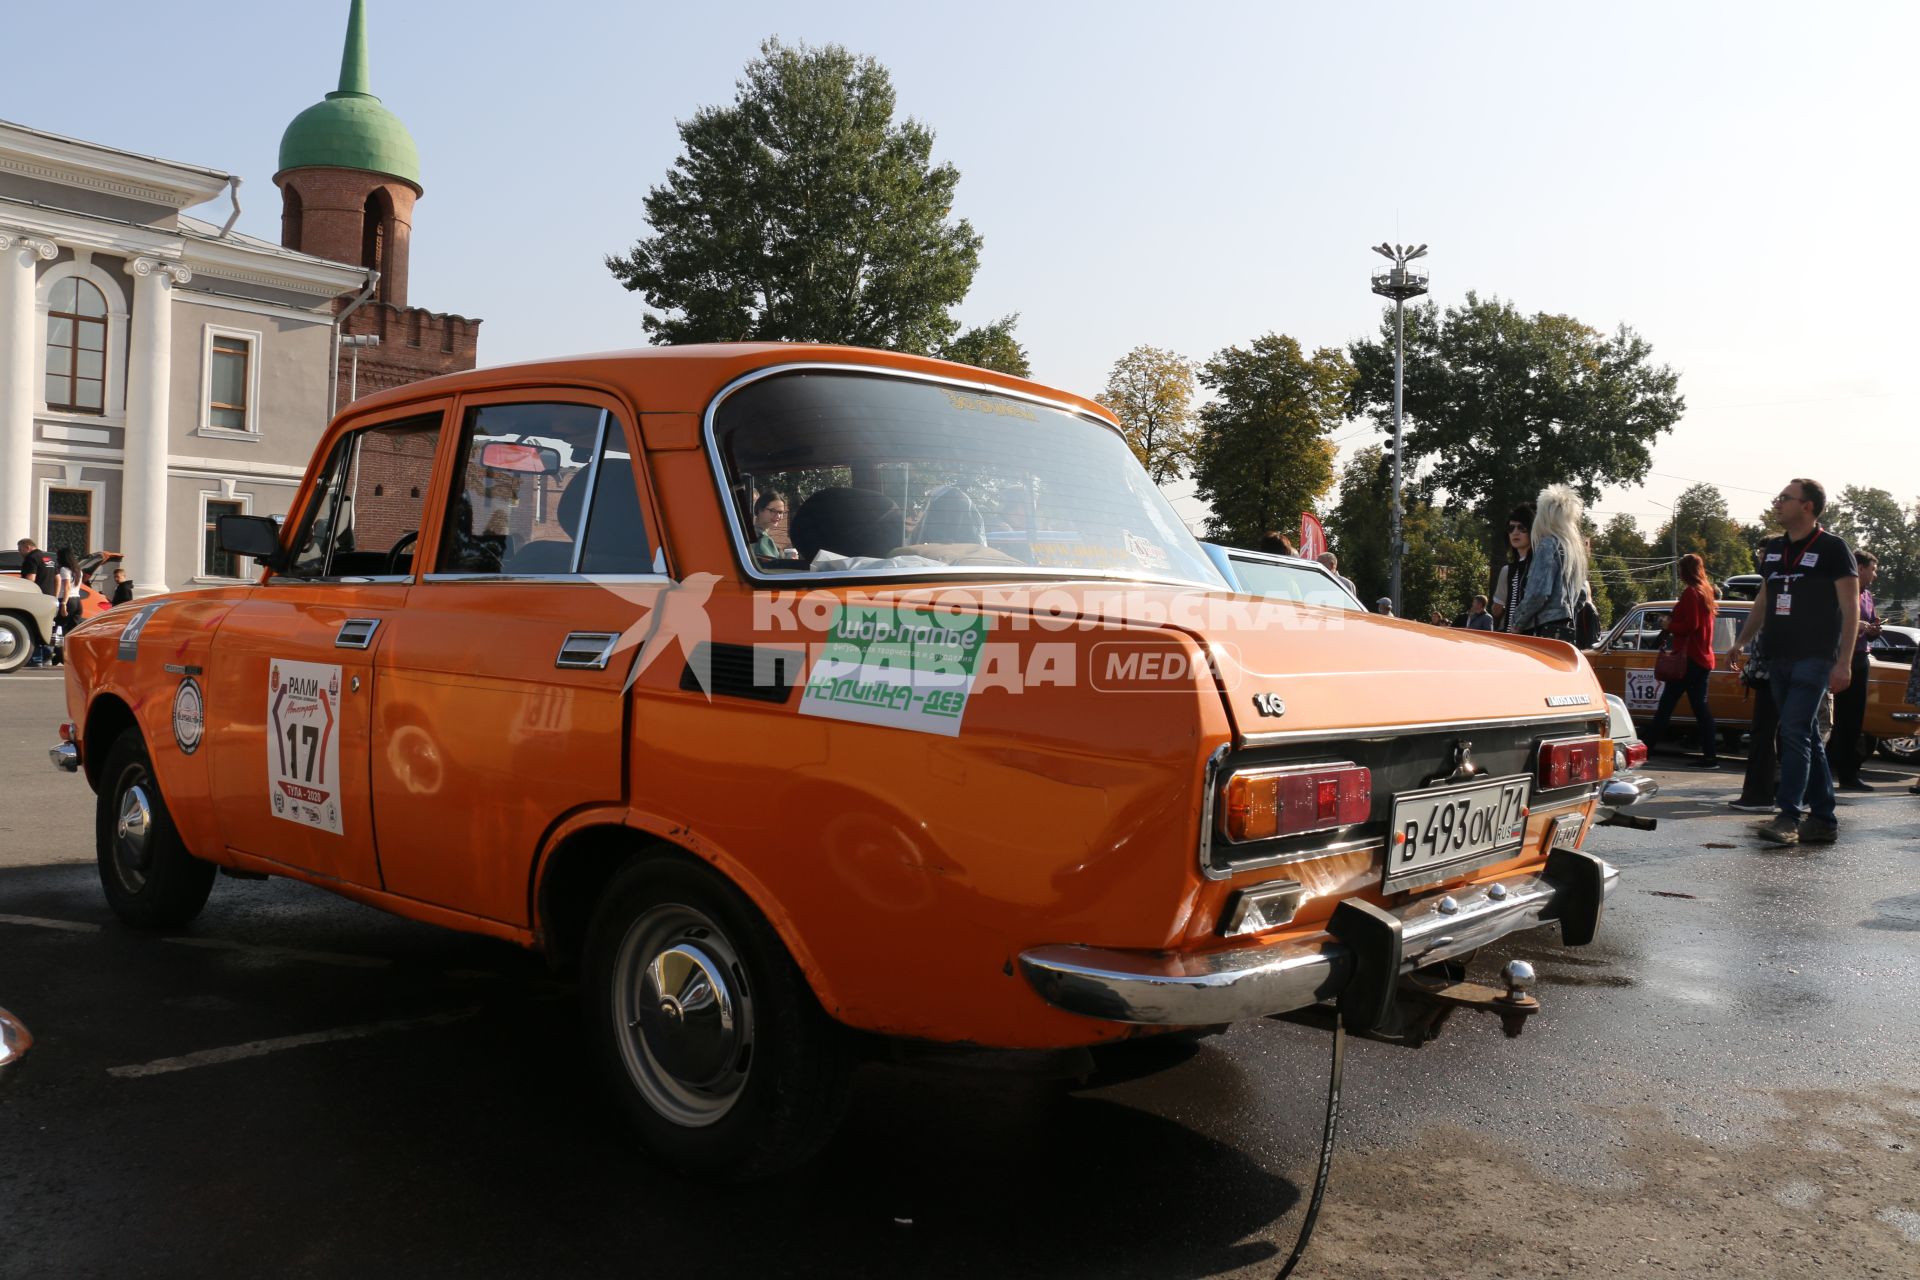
{"type": "Point", "coordinates": [349, 176]}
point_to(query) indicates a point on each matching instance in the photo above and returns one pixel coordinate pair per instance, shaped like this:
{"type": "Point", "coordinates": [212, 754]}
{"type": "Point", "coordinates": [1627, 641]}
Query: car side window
{"type": "Point", "coordinates": [365, 515]}
{"type": "Point", "coordinates": [1629, 636]}
{"type": "Point", "coordinates": [1726, 629]}
{"type": "Point", "coordinates": [539, 492]}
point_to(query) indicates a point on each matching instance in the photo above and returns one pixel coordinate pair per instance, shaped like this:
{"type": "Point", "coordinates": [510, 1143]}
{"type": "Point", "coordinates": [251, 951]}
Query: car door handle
{"type": "Point", "coordinates": [356, 633]}
{"type": "Point", "coordinates": [587, 650]}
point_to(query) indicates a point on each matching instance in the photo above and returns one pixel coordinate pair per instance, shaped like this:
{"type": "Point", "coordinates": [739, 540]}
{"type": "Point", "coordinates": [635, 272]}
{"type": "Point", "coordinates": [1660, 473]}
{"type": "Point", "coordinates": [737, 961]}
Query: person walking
{"type": "Point", "coordinates": [122, 589]}
{"type": "Point", "coordinates": [1690, 633]}
{"type": "Point", "coordinates": [1762, 780]}
{"type": "Point", "coordinates": [1850, 706]}
{"type": "Point", "coordinates": [67, 598]}
{"type": "Point", "coordinates": [39, 568]}
{"type": "Point", "coordinates": [1513, 575]}
{"type": "Point", "coordinates": [1807, 618]}
{"type": "Point", "coordinates": [1559, 573]}
{"type": "Point", "coordinates": [1476, 618]}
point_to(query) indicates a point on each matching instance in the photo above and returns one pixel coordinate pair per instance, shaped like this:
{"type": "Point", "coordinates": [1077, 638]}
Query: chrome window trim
{"type": "Point", "coordinates": [1277, 736]}
{"type": "Point", "coordinates": [944, 573]}
{"type": "Point", "coordinates": [282, 579]}
{"type": "Point", "coordinates": [564, 579]}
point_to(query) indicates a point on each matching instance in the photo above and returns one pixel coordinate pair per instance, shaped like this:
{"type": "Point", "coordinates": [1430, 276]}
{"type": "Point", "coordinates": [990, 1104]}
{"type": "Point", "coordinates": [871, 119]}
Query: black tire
{"type": "Point", "coordinates": [16, 642]}
{"type": "Point", "coordinates": [1904, 750]}
{"type": "Point", "coordinates": [705, 1029]}
{"type": "Point", "coordinates": [150, 879]}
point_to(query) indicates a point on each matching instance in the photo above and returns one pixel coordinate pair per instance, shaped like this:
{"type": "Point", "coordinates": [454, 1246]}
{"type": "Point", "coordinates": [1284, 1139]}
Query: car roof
{"type": "Point", "coordinates": [682, 379]}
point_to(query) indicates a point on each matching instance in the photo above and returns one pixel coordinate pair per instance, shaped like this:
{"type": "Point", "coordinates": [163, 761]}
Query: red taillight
{"type": "Point", "coordinates": [1636, 755]}
{"type": "Point", "coordinates": [1569, 763]}
{"type": "Point", "coordinates": [1263, 803]}
{"type": "Point", "coordinates": [66, 731]}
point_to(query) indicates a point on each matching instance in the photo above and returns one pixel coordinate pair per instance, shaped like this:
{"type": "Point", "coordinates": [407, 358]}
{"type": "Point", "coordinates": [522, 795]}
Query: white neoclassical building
{"type": "Point", "coordinates": [156, 370]}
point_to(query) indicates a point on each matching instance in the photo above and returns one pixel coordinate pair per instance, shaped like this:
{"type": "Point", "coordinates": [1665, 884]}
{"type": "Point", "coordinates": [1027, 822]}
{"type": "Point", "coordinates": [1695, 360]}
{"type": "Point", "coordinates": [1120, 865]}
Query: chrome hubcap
{"type": "Point", "coordinates": [132, 850]}
{"type": "Point", "coordinates": [684, 1016]}
{"type": "Point", "coordinates": [9, 643]}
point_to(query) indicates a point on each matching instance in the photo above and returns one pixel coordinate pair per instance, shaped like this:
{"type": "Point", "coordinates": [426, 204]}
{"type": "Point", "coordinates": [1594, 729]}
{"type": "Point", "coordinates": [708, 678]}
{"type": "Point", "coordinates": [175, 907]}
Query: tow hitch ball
{"type": "Point", "coordinates": [1513, 1006]}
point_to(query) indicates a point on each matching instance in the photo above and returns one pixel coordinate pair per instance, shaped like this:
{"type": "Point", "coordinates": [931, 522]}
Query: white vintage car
{"type": "Point", "coordinates": [26, 620]}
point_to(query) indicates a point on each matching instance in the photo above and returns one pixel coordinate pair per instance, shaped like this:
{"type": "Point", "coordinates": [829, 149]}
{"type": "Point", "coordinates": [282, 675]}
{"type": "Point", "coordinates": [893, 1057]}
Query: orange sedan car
{"type": "Point", "coordinates": [1624, 662]}
{"type": "Point", "coordinates": [994, 759]}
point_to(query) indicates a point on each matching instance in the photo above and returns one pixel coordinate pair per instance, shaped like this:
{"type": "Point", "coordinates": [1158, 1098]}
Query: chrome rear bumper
{"type": "Point", "coordinates": [1176, 989]}
{"type": "Point", "coordinates": [65, 756]}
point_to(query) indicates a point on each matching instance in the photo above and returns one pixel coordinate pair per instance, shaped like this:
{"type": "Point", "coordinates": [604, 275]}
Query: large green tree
{"type": "Point", "coordinates": [1704, 527]}
{"type": "Point", "coordinates": [1873, 520]}
{"type": "Point", "coordinates": [1443, 567]}
{"type": "Point", "coordinates": [1263, 455]}
{"type": "Point", "coordinates": [804, 212]}
{"type": "Point", "coordinates": [990, 346]}
{"type": "Point", "coordinates": [1151, 391]}
{"type": "Point", "coordinates": [1501, 404]}
{"type": "Point", "coordinates": [1623, 568]}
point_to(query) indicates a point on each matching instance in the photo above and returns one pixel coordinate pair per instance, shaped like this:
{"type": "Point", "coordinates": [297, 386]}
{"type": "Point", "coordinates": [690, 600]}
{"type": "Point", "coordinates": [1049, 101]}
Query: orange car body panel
{"type": "Point", "coordinates": [904, 871]}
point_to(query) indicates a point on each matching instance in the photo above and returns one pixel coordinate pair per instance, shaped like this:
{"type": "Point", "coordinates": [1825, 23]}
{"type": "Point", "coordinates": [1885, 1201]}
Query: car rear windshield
{"type": "Point", "coordinates": [1294, 582]}
{"type": "Point", "coordinates": [833, 472]}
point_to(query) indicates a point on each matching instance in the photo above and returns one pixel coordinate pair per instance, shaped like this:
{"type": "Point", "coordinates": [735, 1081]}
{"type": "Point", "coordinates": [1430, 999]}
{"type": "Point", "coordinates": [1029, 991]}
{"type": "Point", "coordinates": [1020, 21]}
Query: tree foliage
{"type": "Point", "coordinates": [1503, 404]}
{"type": "Point", "coordinates": [1443, 568]}
{"type": "Point", "coordinates": [990, 346]}
{"type": "Point", "coordinates": [1873, 520]}
{"type": "Point", "coordinates": [1623, 572]}
{"type": "Point", "coordinates": [1151, 392]}
{"type": "Point", "coordinates": [804, 212]}
{"type": "Point", "coordinates": [1707, 530]}
{"type": "Point", "coordinates": [1263, 455]}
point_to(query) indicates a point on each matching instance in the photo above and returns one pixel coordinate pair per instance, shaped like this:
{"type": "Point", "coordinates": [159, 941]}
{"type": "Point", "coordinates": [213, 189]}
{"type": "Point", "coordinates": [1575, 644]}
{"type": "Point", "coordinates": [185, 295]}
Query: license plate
{"type": "Point", "coordinates": [1444, 829]}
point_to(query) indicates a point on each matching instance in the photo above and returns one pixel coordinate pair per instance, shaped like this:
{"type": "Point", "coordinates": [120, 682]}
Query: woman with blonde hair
{"type": "Point", "coordinates": [1558, 575]}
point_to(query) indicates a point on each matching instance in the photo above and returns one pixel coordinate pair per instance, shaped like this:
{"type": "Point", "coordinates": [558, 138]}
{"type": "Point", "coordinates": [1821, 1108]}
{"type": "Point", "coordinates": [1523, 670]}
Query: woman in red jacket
{"type": "Point", "coordinates": [1690, 632]}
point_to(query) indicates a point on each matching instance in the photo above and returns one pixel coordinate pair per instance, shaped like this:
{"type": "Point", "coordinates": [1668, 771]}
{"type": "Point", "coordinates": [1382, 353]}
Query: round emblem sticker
{"type": "Point", "coordinates": [189, 717]}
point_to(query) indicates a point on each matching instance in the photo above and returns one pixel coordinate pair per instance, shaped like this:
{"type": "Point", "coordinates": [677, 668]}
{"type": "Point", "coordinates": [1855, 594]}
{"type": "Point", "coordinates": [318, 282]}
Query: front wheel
{"type": "Point", "coordinates": [705, 1029]}
{"type": "Point", "coordinates": [150, 879]}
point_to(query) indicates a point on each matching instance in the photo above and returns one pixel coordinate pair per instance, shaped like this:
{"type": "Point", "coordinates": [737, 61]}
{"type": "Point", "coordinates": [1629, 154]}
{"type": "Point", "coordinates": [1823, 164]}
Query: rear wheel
{"type": "Point", "coordinates": [150, 879]}
{"type": "Point", "coordinates": [707, 1032]}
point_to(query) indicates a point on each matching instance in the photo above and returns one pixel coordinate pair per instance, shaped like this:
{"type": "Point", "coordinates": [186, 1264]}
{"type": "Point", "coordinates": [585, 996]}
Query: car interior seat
{"type": "Point", "coordinates": [951, 517]}
{"type": "Point", "coordinates": [847, 522]}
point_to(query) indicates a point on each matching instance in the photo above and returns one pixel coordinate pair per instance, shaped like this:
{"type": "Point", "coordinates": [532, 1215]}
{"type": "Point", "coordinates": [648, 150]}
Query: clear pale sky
{"type": "Point", "coordinates": [1734, 181]}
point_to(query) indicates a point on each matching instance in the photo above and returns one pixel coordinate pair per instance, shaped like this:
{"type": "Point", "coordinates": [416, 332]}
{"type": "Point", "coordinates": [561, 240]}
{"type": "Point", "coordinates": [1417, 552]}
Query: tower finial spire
{"type": "Point", "coordinates": [353, 58]}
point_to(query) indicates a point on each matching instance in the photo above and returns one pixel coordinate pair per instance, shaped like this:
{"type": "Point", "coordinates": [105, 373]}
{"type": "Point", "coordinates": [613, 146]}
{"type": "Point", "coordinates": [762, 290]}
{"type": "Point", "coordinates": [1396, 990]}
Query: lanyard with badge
{"type": "Point", "coordinates": [1783, 599]}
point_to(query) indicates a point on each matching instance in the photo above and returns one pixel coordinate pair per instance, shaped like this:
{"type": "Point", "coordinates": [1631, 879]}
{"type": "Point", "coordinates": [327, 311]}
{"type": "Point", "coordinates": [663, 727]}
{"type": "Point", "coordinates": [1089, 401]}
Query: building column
{"type": "Point", "coordinates": [19, 255]}
{"type": "Point", "coordinates": [143, 493]}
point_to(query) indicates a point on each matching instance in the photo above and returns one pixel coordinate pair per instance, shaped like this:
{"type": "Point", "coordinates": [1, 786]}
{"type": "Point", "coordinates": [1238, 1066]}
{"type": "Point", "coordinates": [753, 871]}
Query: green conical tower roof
{"type": "Point", "coordinates": [350, 129]}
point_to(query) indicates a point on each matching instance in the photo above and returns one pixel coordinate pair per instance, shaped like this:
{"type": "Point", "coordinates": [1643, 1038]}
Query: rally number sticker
{"type": "Point", "coordinates": [303, 743]}
{"type": "Point", "coordinates": [1643, 691]}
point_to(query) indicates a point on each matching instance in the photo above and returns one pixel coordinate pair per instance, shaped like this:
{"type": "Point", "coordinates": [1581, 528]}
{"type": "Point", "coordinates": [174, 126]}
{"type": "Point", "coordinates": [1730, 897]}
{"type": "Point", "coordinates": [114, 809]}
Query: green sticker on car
{"type": "Point", "coordinates": [896, 665]}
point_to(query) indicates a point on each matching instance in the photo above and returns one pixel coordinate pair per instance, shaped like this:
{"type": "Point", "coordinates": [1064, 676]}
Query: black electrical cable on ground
{"type": "Point", "coordinates": [1327, 1136]}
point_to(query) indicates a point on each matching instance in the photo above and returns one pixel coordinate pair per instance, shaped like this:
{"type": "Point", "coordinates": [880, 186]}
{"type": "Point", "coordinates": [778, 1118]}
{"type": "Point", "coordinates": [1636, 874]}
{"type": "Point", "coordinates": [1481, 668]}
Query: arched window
{"type": "Point", "coordinates": [376, 227]}
{"type": "Point", "coordinates": [76, 347]}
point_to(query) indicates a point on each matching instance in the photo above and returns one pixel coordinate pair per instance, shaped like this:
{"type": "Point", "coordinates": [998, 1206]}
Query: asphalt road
{"type": "Point", "coordinates": [1725, 1084]}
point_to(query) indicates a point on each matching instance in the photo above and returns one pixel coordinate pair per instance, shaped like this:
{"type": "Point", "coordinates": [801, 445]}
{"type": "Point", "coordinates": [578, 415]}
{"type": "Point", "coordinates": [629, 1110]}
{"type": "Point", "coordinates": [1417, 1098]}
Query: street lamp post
{"type": "Point", "coordinates": [357, 341]}
{"type": "Point", "coordinates": [1400, 283]}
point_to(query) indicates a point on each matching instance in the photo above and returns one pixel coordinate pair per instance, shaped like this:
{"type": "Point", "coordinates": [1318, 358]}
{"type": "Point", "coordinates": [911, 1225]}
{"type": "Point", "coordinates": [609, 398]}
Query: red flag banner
{"type": "Point", "coordinates": [1313, 536]}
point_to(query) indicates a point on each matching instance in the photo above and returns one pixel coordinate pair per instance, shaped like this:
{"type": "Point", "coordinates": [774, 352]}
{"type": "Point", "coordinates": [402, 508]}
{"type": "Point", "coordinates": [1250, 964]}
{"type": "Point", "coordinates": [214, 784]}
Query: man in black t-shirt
{"type": "Point", "coordinates": [39, 567]}
{"type": "Point", "coordinates": [1808, 616]}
